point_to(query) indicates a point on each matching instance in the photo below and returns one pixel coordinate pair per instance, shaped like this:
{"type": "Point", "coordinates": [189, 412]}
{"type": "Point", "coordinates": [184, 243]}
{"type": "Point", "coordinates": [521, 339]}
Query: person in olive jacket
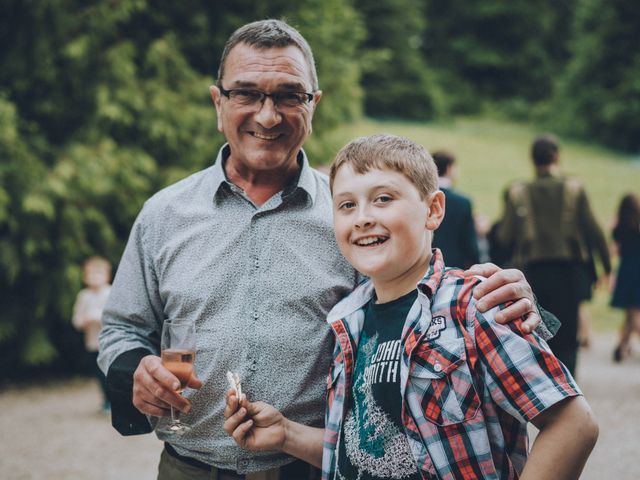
{"type": "Point", "coordinates": [550, 229]}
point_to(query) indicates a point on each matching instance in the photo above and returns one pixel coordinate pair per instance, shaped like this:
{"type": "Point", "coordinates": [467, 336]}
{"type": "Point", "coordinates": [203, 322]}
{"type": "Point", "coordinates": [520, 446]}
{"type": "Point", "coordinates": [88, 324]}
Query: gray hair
{"type": "Point", "coordinates": [265, 34]}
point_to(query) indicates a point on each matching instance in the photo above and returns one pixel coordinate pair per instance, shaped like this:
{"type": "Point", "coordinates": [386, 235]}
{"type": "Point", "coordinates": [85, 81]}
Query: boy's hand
{"type": "Point", "coordinates": [503, 286]}
{"type": "Point", "coordinates": [254, 426]}
{"type": "Point", "coordinates": [154, 388]}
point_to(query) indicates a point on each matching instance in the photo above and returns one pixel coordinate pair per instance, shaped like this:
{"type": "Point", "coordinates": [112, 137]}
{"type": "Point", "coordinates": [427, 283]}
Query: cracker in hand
{"type": "Point", "coordinates": [234, 382]}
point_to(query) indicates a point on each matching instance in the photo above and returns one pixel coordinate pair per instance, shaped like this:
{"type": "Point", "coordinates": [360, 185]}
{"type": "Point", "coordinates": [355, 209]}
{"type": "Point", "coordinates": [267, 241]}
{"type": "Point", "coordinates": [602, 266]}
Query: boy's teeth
{"type": "Point", "coordinates": [369, 241]}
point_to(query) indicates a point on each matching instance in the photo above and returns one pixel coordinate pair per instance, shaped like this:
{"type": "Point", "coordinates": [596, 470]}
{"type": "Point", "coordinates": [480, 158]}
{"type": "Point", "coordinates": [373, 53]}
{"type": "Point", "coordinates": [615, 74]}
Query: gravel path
{"type": "Point", "coordinates": [57, 432]}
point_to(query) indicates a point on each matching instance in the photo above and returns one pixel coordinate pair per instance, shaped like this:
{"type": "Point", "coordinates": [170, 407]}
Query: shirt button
{"type": "Point", "coordinates": [256, 263]}
{"type": "Point", "coordinates": [255, 315]}
{"type": "Point", "coordinates": [253, 367]}
{"type": "Point", "coordinates": [437, 367]}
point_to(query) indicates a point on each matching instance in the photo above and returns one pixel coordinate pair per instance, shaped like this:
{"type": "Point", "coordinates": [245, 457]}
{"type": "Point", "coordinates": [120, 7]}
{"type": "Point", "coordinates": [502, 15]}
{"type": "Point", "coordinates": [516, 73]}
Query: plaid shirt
{"type": "Point", "coordinates": [469, 385]}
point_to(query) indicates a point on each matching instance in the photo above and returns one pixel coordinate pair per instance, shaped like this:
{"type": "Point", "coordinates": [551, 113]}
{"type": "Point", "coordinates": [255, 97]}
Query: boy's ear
{"type": "Point", "coordinates": [436, 210]}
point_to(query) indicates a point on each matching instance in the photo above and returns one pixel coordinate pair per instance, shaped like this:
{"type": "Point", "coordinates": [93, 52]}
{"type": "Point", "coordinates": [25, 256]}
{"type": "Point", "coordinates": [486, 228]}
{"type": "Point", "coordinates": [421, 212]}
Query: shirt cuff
{"type": "Point", "coordinates": [126, 418]}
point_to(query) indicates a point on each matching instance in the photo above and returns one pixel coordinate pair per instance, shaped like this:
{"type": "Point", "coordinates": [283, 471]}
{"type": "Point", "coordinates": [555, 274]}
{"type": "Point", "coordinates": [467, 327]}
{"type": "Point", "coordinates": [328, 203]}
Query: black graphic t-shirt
{"type": "Point", "coordinates": [373, 445]}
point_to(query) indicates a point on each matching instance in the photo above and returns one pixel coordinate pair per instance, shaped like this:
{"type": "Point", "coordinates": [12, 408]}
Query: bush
{"type": "Point", "coordinates": [598, 96]}
{"type": "Point", "coordinates": [102, 104]}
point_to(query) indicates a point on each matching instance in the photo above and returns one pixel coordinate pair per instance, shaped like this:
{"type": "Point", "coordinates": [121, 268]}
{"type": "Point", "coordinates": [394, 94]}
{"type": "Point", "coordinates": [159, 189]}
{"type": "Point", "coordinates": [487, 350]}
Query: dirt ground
{"type": "Point", "coordinates": [57, 431]}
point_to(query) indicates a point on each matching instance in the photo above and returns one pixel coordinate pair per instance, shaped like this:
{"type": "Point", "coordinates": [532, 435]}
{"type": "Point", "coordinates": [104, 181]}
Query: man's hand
{"type": "Point", "coordinates": [154, 388]}
{"type": "Point", "coordinates": [503, 286]}
{"type": "Point", "coordinates": [254, 426]}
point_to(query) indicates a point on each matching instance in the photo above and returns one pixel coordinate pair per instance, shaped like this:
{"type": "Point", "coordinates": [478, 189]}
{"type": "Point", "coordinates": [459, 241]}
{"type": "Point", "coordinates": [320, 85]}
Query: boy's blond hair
{"type": "Point", "coordinates": [386, 151]}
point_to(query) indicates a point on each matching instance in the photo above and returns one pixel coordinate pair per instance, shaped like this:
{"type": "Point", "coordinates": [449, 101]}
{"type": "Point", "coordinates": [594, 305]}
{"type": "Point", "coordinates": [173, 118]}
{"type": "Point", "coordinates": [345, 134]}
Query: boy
{"type": "Point", "coordinates": [87, 311]}
{"type": "Point", "coordinates": [422, 385]}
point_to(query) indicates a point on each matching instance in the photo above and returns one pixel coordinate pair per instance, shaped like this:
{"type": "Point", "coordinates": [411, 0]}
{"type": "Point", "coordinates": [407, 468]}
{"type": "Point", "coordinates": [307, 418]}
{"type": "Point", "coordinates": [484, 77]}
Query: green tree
{"type": "Point", "coordinates": [102, 104]}
{"type": "Point", "coordinates": [396, 79]}
{"type": "Point", "coordinates": [496, 51]}
{"type": "Point", "coordinates": [598, 95]}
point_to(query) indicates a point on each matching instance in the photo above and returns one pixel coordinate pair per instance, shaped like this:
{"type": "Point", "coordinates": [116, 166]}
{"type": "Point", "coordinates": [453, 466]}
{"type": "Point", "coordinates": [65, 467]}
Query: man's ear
{"type": "Point", "coordinates": [436, 210]}
{"type": "Point", "coordinates": [317, 96]}
{"type": "Point", "coordinates": [215, 98]}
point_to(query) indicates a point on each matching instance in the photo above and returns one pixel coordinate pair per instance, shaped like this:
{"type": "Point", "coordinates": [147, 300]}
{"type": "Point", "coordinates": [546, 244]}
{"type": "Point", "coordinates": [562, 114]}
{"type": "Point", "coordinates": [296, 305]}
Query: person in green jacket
{"type": "Point", "coordinates": [550, 229]}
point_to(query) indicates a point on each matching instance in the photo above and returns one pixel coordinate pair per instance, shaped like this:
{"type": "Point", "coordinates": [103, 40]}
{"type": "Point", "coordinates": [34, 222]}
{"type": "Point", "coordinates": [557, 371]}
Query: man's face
{"type": "Point", "coordinates": [382, 225]}
{"type": "Point", "coordinates": [263, 137]}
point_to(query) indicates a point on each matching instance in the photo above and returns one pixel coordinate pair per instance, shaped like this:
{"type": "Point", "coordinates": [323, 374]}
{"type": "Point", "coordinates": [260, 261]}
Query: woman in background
{"type": "Point", "coordinates": [626, 293]}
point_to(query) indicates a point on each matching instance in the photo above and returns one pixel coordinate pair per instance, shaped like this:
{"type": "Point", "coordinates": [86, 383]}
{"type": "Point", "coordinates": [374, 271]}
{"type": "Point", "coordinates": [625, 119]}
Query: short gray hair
{"type": "Point", "coordinates": [270, 33]}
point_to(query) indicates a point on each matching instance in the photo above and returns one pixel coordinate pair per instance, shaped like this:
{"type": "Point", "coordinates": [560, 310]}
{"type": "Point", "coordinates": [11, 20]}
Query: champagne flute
{"type": "Point", "coordinates": [178, 351]}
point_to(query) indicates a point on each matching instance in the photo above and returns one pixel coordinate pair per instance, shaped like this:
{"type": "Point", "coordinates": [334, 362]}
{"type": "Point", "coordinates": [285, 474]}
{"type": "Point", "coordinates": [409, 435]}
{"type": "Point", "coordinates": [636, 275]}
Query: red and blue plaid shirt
{"type": "Point", "coordinates": [469, 385]}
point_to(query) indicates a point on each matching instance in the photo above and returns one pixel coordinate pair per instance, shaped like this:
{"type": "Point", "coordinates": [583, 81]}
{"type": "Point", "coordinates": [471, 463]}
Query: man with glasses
{"type": "Point", "coordinates": [246, 249]}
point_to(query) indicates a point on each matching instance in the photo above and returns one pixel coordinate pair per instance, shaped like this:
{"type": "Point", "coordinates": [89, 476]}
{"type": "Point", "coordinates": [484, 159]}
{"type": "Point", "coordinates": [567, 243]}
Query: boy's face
{"type": "Point", "coordinates": [382, 226]}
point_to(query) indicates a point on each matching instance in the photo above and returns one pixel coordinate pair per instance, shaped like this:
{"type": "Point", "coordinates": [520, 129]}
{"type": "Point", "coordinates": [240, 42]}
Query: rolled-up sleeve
{"type": "Point", "coordinates": [521, 373]}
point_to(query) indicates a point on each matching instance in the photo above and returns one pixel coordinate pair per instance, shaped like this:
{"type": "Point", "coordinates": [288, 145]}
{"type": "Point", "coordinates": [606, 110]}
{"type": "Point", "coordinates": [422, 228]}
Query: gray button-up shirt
{"type": "Point", "coordinates": [258, 281]}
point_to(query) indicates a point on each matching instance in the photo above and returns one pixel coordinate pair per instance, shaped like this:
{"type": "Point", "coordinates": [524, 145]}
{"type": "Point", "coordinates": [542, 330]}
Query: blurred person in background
{"type": "Point", "coordinates": [626, 292]}
{"type": "Point", "coordinates": [549, 227]}
{"type": "Point", "coordinates": [588, 282]}
{"type": "Point", "coordinates": [87, 312]}
{"type": "Point", "coordinates": [456, 237]}
{"type": "Point", "coordinates": [483, 228]}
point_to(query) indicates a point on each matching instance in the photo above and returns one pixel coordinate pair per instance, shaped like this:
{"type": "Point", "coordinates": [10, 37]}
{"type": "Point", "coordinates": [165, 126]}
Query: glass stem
{"type": "Point", "coordinates": [175, 416]}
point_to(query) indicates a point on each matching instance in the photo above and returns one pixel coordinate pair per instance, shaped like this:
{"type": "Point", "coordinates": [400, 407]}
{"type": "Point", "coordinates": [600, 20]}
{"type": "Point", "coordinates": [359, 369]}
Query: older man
{"type": "Point", "coordinates": [245, 248]}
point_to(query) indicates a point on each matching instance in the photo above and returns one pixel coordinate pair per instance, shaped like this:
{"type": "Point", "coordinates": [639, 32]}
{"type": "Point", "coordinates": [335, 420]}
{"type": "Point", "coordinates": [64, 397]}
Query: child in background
{"type": "Point", "coordinates": [422, 384]}
{"type": "Point", "coordinates": [87, 311]}
{"type": "Point", "coordinates": [626, 293]}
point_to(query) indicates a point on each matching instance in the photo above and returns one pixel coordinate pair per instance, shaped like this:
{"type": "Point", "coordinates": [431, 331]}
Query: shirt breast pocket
{"type": "Point", "coordinates": [440, 380]}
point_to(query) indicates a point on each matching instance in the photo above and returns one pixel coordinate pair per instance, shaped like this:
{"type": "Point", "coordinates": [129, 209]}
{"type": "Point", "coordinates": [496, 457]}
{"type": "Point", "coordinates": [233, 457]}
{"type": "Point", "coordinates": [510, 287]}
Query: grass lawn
{"type": "Point", "coordinates": [492, 153]}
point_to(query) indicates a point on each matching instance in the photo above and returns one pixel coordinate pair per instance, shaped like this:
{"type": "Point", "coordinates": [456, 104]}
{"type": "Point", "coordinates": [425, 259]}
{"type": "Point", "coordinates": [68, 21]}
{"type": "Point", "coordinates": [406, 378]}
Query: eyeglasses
{"type": "Point", "coordinates": [245, 97]}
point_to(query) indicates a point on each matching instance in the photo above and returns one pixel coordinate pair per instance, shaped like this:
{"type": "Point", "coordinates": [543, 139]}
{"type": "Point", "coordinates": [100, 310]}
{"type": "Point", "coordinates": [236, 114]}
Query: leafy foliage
{"type": "Point", "coordinates": [102, 104]}
{"type": "Point", "coordinates": [495, 51]}
{"type": "Point", "coordinates": [598, 97]}
{"type": "Point", "coordinates": [396, 78]}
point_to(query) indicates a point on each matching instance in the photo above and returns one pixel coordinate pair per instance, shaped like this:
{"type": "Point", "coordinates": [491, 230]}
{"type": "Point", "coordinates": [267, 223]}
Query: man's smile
{"type": "Point", "coordinates": [265, 136]}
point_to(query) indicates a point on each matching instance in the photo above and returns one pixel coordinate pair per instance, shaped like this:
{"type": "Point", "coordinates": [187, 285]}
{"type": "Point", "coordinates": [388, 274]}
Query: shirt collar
{"type": "Point", "coordinates": [365, 291]}
{"type": "Point", "coordinates": [431, 281]}
{"type": "Point", "coordinates": [305, 179]}
{"type": "Point", "coordinates": [219, 177]}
